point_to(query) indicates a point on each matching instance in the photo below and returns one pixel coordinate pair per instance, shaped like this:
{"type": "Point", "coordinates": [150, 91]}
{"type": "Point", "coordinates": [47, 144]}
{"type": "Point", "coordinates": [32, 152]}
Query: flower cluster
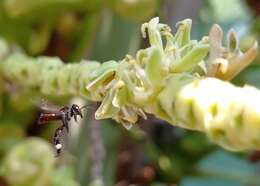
{"type": "Point", "coordinates": [177, 79]}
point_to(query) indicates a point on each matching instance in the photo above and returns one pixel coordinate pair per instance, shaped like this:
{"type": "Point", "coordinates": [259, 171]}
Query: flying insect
{"type": "Point", "coordinates": [64, 115]}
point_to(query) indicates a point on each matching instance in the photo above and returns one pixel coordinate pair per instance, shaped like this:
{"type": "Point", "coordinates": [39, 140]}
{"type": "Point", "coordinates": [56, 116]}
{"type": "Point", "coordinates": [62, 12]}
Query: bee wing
{"type": "Point", "coordinates": [45, 106]}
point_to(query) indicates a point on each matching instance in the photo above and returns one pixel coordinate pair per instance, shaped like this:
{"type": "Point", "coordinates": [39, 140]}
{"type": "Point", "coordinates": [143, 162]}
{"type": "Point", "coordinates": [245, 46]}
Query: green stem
{"type": "Point", "coordinates": [85, 36]}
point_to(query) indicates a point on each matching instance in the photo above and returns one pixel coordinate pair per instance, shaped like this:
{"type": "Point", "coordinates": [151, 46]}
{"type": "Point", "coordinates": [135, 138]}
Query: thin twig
{"type": "Point", "coordinates": [97, 150]}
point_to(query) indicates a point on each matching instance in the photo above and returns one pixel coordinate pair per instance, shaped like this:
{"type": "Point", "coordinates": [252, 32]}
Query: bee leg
{"type": "Point", "coordinates": [75, 117]}
{"type": "Point", "coordinates": [56, 139]}
{"type": "Point", "coordinates": [65, 122]}
{"type": "Point", "coordinates": [74, 114]}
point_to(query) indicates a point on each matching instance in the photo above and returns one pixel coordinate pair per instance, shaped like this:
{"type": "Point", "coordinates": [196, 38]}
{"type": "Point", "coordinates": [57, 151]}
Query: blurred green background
{"type": "Point", "coordinates": [104, 152]}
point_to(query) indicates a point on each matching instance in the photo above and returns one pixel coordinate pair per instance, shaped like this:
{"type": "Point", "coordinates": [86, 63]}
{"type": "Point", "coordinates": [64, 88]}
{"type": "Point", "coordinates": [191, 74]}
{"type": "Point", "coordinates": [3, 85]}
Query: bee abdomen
{"type": "Point", "coordinates": [47, 117]}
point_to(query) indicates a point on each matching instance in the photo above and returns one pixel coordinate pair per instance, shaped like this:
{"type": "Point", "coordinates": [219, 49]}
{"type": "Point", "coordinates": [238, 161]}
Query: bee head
{"type": "Point", "coordinates": [76, 110]}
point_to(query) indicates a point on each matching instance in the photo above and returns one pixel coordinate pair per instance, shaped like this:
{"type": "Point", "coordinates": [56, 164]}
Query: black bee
{"type": "Point", "coordinates": [64, 115]}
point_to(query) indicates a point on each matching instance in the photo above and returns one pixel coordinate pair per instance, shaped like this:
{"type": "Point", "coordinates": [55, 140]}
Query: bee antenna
{"type": "Point", "coordinates": [85, 106]}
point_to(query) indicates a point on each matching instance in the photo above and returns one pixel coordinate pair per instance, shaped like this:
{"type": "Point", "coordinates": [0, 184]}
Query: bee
{"type": "Point", "coordinates": [64, 115]}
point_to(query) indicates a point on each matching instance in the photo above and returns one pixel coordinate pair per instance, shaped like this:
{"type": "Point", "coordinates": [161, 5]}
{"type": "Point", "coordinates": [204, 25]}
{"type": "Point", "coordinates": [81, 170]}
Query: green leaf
{"type": "Point", "coordinates": [194, 181]}
{"type": "Point", "coordinates": [224, 165]}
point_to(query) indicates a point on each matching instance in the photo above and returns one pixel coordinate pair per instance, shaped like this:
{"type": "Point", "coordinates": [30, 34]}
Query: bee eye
{"type": "Point", "coordinates": [75, 106]}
